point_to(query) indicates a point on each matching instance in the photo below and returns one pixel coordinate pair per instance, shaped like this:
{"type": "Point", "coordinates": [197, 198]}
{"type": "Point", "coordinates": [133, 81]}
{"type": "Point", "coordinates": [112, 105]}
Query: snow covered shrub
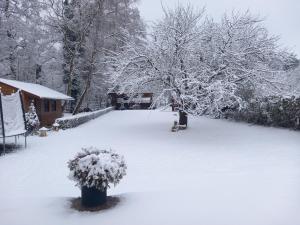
{"type": "Point", "coordinates": [270, 111]}
{"type": "Point", "coordinates": [98, 169]}
{"type": "Point", "coordinates": [32, 119]}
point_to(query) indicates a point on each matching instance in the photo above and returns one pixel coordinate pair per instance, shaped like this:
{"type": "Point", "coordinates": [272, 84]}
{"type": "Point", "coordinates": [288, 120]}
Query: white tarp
{"type": "Point", "coordinates": [12, 115]}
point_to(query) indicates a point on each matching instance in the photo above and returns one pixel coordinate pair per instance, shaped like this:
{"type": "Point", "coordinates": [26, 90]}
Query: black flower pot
{"type": "Point", "coordinates": [92, 197]}
{"type": "Point", "coordinates": [183, 119]}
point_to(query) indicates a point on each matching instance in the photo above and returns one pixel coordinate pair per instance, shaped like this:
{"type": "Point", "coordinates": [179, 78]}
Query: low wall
{"type": "Point", "coordinates": [76, 120]}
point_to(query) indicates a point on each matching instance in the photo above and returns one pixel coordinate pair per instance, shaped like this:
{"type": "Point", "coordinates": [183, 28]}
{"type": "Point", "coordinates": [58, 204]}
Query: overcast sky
{"type": "Point", "coordinates": [282, 16]}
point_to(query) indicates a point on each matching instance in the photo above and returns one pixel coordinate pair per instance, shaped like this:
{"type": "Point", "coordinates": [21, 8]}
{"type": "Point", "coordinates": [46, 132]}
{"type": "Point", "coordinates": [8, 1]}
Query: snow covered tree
{"type": "Point", "coordinates": [238, 53]}
{"type": "Point", "coordinates": [113, 21]}
{"type": "Point", "coordinates": [88, 29]}
{"type": "Point", "coordinates": [200, 64]}
{"type": "Point", "coordinates": [32, 119]}
{"type": "Point", "coordinates": [292, 79]}
{"type": "Point", "coordinates": [26, 48]}
{"type": "Point", "coordinates": [167, 63]}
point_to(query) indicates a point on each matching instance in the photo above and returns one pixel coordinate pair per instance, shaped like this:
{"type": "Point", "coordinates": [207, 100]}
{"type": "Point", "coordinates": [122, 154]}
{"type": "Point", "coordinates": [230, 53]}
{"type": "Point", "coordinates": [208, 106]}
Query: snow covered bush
{"type": "Point", "coordinates": [270, 111]}
{"type": "Point", "coordinates": [98, 169]}
{"type": "Point", "coordinates": [76, 120]}
{"type": "Point", "coordinates": [32, 119]}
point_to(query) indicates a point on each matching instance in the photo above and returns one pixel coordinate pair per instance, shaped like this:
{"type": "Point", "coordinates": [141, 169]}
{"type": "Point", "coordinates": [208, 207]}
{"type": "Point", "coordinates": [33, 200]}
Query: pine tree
{"type": "Point", "coordinates": [32, 119]}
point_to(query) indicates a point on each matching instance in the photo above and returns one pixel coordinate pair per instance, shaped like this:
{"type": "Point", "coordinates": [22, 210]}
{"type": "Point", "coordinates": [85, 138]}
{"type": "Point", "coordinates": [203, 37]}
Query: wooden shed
{"type": "Point", "coordinates": [139, 101]}
{"type": "Point", "coordinates": [48, 102]}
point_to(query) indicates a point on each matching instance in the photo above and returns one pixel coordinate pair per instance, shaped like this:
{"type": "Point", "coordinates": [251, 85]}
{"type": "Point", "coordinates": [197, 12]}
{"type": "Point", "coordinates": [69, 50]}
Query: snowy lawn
{"type": "Point", "coordinates": [215, 173]}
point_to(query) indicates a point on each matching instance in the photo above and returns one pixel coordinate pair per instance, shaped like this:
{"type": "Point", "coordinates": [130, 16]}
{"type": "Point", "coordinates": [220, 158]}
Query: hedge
{"type": "Point", "coordinates": [76, 120]}
{"type": "Point", "coordinates": [270, 111]}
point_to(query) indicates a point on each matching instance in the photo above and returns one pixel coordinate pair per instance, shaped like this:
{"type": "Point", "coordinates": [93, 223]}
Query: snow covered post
{"type": "Point", "coordinates": [43, 132]}
{"type": "Point", "coordinates": [175, 127]}
{"type": "Point", "coordinates": [183, 119]}
{"type": "Point", "coordinates": [93, 171]}
{"type": "Point", "coordinates": [55, 126]}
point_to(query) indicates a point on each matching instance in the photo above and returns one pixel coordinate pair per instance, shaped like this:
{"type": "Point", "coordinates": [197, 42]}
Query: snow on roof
{"type": "Point", "coordinates": [36, 89]}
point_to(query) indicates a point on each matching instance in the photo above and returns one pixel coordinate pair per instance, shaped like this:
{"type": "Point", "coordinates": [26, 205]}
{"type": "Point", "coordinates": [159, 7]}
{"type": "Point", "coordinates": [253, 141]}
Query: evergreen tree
{"type": "Point", "coordinates": [32, 119]}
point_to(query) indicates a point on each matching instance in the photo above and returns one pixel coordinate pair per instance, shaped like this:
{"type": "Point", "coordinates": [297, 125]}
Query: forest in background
{"type": "Point", "coordinates": [62, 44]}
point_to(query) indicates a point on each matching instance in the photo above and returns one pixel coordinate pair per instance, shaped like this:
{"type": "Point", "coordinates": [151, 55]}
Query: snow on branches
{"type": "Point", "coordinates": [97, 168]}
{"type": "Point", "coordinates": [202, 65]}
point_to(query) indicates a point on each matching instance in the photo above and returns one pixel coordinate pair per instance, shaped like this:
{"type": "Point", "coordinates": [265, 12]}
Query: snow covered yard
{"type": "Point", "coordinates": [215, 173]}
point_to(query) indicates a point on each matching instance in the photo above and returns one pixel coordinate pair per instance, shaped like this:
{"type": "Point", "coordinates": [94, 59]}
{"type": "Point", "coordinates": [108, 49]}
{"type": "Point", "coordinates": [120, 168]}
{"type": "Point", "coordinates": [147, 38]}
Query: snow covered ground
{"type": "Point", "coordinates": [215, 173]}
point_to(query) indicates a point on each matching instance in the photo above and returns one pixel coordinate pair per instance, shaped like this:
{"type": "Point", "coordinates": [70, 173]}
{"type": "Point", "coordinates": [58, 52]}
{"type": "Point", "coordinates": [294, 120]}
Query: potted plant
{"type": "Point", "coordinates": [94, 171]}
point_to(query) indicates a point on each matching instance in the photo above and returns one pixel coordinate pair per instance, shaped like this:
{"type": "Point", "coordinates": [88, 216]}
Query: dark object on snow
{"type": "Point", "coordinates": [111, 202]}
{"type": "Point", "coordinates": [92, 197]}
{"type": "Point", "coordinates": [10, 148]}
{"type": "Point", "coordinates": [183, 120]}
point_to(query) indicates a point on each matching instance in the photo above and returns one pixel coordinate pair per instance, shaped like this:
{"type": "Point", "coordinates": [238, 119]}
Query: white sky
{"type": "Point", "coordinates": [282, 16]}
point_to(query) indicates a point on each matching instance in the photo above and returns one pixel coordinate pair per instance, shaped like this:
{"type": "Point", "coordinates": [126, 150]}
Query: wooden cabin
{"type": "Point", "coordinates": [139, 101]}
{"type": "Point", "coordinates": [48, 102]}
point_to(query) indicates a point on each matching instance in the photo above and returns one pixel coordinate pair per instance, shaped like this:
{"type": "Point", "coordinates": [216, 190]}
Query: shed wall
{"type": "Point", "coordinates": [46, 118]}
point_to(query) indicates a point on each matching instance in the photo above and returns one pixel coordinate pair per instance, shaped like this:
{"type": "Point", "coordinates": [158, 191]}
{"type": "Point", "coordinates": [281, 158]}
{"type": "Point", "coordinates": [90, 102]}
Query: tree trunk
{"type": "Point", "coordinates": [173, 105]}
{"type": "Point", "coordinates": [92, 60]}
{"type": "Point", "coordinates": [12, 64]}
{"type": "Point", "coordinates": [69, 85]}
{"type": "Point", "coordinates": [10, 36]}
{"type": "Point", "coordinates": [70, 81]}
{"type": "Point", "coordinates": [80, 101]}
{"type": "Point", "coordinates": [183, 118]}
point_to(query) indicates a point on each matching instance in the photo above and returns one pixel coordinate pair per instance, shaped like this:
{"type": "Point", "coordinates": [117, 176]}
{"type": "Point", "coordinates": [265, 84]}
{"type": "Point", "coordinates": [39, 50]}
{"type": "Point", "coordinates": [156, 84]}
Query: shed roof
{"type": "Point", "coordinates": [36, 89]}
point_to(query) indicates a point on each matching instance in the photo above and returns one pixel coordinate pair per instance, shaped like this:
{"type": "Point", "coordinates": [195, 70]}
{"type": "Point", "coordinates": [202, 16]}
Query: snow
{"type": "Point", "coordinates": [43, 129]}
{"type": "Point", "coordinates": [214, 173]}
{"type": "Point", "coordinates": [55, 125]}
{"type": "Point", "coordinates": [36, 89]}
